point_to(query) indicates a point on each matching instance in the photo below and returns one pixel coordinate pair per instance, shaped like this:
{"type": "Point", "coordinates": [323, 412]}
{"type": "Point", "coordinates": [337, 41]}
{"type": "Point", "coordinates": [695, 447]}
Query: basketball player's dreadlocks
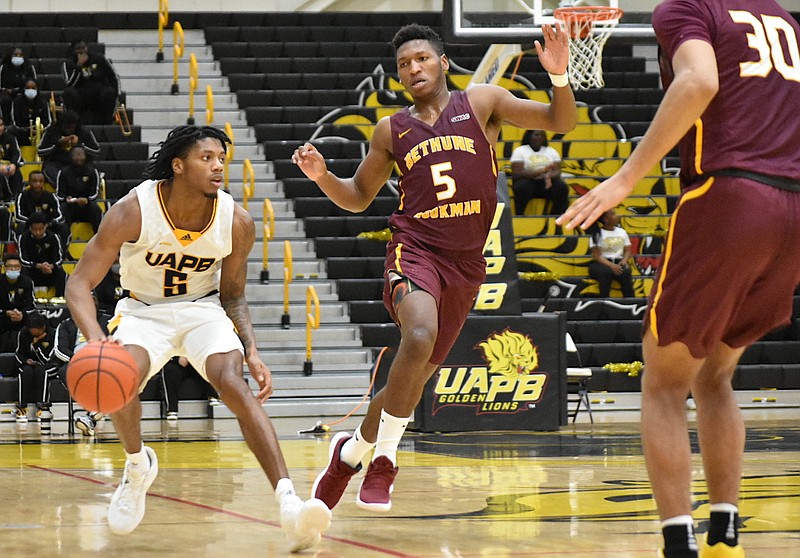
{"type": "Point", "coordinates": [178, 143]}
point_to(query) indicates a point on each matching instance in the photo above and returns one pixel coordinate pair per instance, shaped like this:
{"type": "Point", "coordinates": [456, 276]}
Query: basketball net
{"type": "Point", "coordinates": [588, 28]}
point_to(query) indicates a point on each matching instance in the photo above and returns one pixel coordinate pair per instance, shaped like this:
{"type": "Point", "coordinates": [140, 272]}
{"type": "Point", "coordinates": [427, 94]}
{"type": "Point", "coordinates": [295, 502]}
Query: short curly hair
{"type": "Point", "coordinates": [414, 31]}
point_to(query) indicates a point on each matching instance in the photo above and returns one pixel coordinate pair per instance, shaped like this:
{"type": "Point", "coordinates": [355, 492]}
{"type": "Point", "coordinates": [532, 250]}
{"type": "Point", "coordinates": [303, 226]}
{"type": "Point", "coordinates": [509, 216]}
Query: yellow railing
{"type": "Point", "coordinates": [288, 266]}
{"type": "Point", "coordinates": [209, 105]}
{"type": "Point", "coordinates": [178, 41]}
{"type": "Point", "coordinates": [312, 323]}
{"type": "Point", "coordinates": [248, 182]}
{"type": "Point", "coordinates": [194, 75]}
{"type": "Point", "coordinates": [269, 234]}
{"type": "Point", "coordinates": [123, 119]}
{"type": "Point", "coordinates": [37, 131]}
{"type": "Point", "coordinates": [228, 156]}
{"type": "Point", "coordinates": [163, 20]}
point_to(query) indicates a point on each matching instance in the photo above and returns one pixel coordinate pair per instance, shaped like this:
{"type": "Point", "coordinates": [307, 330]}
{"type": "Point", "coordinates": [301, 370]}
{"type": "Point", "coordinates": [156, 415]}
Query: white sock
{"type": "Point", "coordinates": [724, 508]}
{"type": "Point", "coordinates": [678, 520]}
{"type": "Point", "coordinates": [140, 461]}
{"type": "Point", "coordinates": [390, 430]}
{"type": "Point", "coordinates": [284, 488]}
{"type": "Point", "coordinates": [354, 449]}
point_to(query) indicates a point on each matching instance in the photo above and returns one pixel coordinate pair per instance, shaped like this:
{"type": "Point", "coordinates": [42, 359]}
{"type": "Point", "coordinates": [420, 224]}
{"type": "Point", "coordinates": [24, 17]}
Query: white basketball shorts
{"type": "Point", "coordinates": [194, 329]}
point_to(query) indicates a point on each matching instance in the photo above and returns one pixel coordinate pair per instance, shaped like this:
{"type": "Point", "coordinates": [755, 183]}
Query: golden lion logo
{"type": "Point", "coordinates": [510, 354]}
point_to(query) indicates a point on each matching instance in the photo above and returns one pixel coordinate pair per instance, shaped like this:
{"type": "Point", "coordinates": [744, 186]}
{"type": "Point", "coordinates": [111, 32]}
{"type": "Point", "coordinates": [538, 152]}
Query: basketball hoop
{"type": "Point", "coordinates": [588, 28]}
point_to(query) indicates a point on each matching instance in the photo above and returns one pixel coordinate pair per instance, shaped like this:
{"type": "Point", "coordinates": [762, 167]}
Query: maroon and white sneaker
{"type": "Point", "coordinates": [332, 482]}
{"type": "Point", "coordinates": [376, 488]}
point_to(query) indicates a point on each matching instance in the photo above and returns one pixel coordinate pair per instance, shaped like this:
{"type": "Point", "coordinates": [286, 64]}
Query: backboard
{"type": "Point", "coordinates": [519, 21]}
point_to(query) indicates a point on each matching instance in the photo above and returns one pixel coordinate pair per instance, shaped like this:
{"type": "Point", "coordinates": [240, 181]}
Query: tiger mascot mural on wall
{"type": "Point", "coordinates": [591, 152]}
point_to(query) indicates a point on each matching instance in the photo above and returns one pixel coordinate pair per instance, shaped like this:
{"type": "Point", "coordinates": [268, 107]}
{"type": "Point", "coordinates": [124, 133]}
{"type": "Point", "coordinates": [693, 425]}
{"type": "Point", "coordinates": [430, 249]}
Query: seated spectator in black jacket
{"type": "Point", "coordinates": [109, 291]}
{"type": "Point", "coordinates": [177, 372]}
{"type": "Point", "coordinates": [16, 300]}
{"type": "Point", "coordinates": [25, 109]}
{"type": "Point", "coordinates": [58, 140]}
{"type": "Point", "coordinates": [10, 161]}
{"type": "Point", "coordinates": [15, 70]}
{"type": "Point", "coordinates": [37, 198]}
{"type": "Point", "coordinates": [92, 85]}
{"type": "Point", "coordinates": [77, 188]}
{"type": "Point", "coordinates": [41, 255]}
{"type": "Point", "coordinates": [36, 358]}
{"type": "Point", "coordinates": [70, 340]}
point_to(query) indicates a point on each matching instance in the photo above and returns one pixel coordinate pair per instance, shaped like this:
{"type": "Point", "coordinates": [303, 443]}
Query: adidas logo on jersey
{"type": "Point", "coordinates": [186, 237]}
{"type": "Point", "coordinates": [460, 117]}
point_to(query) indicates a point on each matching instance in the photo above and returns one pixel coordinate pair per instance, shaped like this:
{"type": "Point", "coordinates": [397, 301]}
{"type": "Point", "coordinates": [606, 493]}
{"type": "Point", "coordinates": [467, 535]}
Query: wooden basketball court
{"type": "Point", "coordinates": [578, 492]}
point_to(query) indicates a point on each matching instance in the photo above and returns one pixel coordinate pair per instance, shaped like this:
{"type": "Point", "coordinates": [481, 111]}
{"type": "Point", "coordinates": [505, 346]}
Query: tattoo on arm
{"type": "Point", "coordinates": [238, 312]}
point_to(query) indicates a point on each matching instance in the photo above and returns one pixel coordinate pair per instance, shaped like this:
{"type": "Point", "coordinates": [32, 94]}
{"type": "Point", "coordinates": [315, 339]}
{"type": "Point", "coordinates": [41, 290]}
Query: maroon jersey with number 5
{"type": "Point", "coordinates": [448, 179]}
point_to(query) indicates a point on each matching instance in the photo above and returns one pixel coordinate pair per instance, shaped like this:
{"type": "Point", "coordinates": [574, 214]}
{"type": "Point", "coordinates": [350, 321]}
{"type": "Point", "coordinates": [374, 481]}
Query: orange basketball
{"type": "Point", "coordinates": [103, 377]}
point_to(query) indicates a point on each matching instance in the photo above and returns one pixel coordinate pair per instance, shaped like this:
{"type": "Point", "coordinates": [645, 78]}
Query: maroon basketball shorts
{"type": "Point", "coordinates": [730, 265]}
{"type": "Point", "coordinates": [452, 282]}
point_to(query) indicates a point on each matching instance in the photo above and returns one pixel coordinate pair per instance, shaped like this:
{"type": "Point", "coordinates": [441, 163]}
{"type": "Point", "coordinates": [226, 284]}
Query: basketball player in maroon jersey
{"type": "Point", "coordinates": [740, 173]}
{"type": "Point", "coordinates": [434, 263]}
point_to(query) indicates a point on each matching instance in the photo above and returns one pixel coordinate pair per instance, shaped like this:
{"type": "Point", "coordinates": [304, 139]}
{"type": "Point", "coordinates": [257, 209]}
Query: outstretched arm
{"type": "Point", "coordinates": [496, 105]}
{"type": "Point", "coordinates": [356, 193]}
{"type": "Point", "coordinates": [695, 85]}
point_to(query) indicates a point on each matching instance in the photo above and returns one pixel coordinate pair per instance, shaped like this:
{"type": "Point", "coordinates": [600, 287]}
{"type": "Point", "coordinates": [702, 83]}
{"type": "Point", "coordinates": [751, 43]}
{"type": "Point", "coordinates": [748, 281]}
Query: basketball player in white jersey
{"type": "Point", "coordinates": [183, 247]}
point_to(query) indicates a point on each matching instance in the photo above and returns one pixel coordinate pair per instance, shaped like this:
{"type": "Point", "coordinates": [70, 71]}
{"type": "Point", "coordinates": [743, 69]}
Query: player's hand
{"type": "Point", "coordinates": [554, 57]}
{"type": "Point", "coordinates": [263, 376]}
{"type": "Point", "coordinates": [310, 161]}
{"type": "Point", "coordinates": [590, 206]}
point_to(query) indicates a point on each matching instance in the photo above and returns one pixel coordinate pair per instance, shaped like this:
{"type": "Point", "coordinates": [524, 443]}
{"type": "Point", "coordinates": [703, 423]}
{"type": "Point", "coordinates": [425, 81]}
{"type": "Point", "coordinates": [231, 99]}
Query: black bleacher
{"type": "Point", "coordinates": [45, 39]}
{"type": "Point", "coordinates": [292, 70]}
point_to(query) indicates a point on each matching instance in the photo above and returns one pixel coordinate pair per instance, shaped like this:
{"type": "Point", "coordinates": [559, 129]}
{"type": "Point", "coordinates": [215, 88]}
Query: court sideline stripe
{"type": "Point", "coordinates": [237, 515]}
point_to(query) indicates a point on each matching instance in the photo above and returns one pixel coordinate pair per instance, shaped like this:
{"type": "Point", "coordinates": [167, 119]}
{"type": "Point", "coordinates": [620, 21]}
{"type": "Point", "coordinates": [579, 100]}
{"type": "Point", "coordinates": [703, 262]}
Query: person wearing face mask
{"type": "Point", "coordinates": [25, 109]}
{"type": "Point", "coordinates": [16, 299]}
{"type": "Point", "coordinates": [15, 70]}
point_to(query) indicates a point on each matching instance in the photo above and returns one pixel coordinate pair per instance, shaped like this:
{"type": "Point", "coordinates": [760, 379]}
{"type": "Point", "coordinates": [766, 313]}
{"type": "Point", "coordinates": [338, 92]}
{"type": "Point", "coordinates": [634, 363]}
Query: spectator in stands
{"type": "Point", "coordinates": [58, 141]}
{"type": "Point", "coordinates": [15, 70]}
{"type": "Point", "coordinates": [35, 354]}
{"type": "Point", "coordinates": [16, 299]}
{"type": "Point", "coordinates": [70, 340]}
{"type": "Point", "coordinates": [10, 161]}
{"type": "Point", "coordinates": [434, 262]}
{"type": "Point", "coordinates": [611, 255]}
{"type": "Point", "coordinates": [78, 187]}
{"type": "Point", "coordinates": [536, 173]}
{"type": "Point", "coordinates": [41, 255]}
{"type": "Point", "coordinates": [92, 84]}
{"type": "Point", "coordinates": [732, 261]}
{"type": "Point", "coordinates": [177, 372]}
{"type": "Point", "coordinates": [37, 198]}
{"type": "Point", "coordinates": [109, 291]}
{"type": "Point", "coordinates": [25, 109]}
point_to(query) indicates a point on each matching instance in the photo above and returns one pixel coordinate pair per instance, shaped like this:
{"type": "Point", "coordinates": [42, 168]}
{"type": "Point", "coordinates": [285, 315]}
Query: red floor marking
{"type": "Point", "coordinates": [237, 515]}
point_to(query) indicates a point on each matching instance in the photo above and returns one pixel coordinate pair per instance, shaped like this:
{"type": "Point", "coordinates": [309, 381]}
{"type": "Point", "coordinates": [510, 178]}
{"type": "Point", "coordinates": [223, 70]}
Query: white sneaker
{"type": "Point", "coordinates": [127, 504]}
{"type": "Point", "coordinates": [304, 522]}
{"type": "Point", "coordinates": [172, 415]}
